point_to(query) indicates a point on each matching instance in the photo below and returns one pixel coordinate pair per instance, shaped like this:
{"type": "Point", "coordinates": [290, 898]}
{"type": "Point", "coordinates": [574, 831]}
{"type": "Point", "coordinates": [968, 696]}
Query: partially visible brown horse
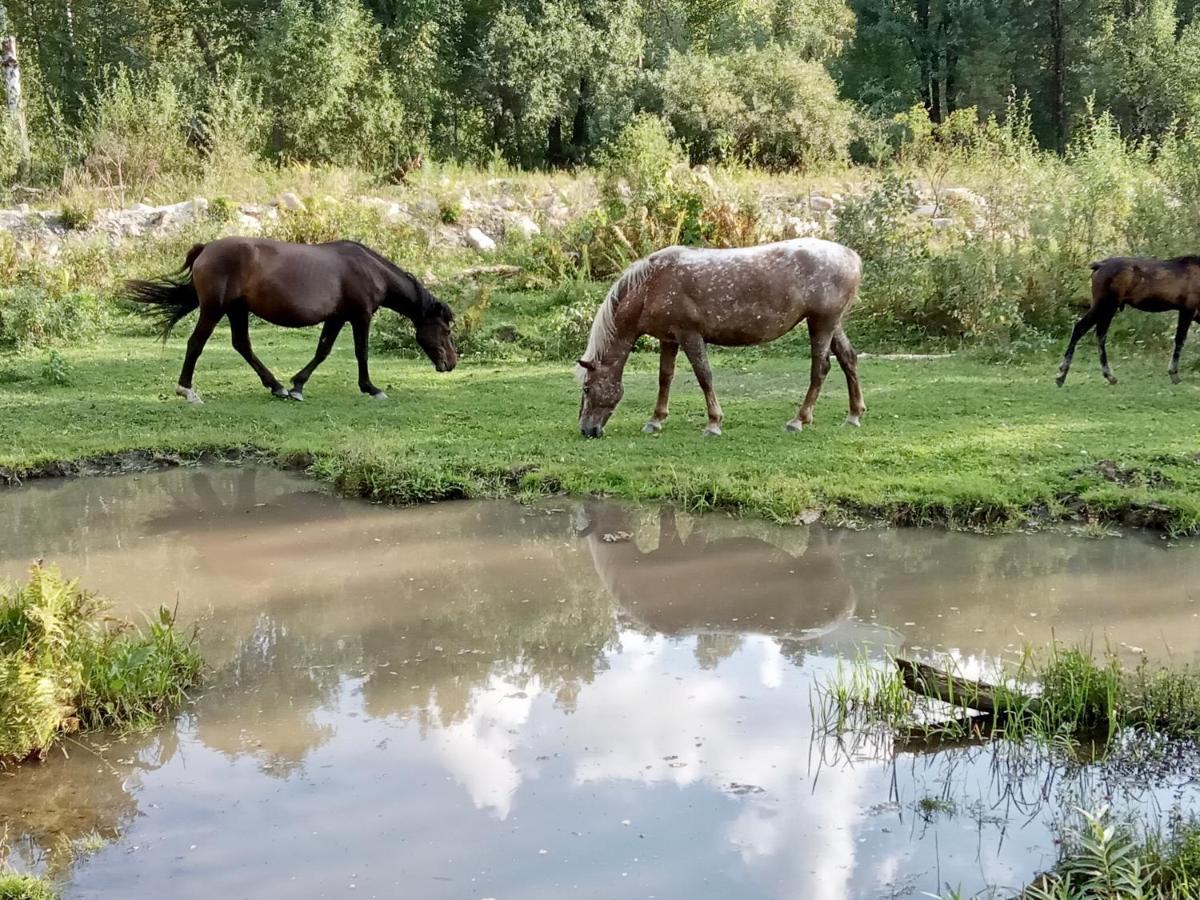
{"type": "Point", "coordinates": [1151, 285]}
{"type": "Point", "coordinates": [293, 285]}
{"type": "Point", "coordinates": [688, 298]}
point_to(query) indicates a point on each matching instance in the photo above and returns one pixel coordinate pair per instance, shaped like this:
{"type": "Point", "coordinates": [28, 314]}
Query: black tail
{"type": "Point", "coordinates": [169, 299]}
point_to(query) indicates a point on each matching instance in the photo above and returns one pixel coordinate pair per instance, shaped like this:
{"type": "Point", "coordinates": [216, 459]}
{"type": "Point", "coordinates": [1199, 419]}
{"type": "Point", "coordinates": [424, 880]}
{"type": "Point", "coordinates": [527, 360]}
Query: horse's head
{"type": "Point", "coordinates": [602, 391]}
{"type": "Point", "coordinates": [433, 334]}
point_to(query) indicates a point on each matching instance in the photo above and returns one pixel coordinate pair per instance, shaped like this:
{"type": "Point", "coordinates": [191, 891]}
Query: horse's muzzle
{"type": "Point", "coordinates": [592, 431]}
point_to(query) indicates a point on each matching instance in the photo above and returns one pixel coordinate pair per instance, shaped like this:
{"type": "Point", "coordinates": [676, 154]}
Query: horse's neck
{"type": "Point", "coordinates": [399, 293]}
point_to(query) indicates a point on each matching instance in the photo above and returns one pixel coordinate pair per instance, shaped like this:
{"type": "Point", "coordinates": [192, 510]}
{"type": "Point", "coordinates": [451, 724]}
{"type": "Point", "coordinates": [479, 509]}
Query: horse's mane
{"type": "Point", "coordinates": [604, 326]}
{"type": "Point", "coordinates": [427, 305]}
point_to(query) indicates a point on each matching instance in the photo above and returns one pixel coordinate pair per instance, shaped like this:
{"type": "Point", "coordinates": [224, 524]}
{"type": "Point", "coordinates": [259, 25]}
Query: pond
{"type": "Point", "coordinates": [483, 699]}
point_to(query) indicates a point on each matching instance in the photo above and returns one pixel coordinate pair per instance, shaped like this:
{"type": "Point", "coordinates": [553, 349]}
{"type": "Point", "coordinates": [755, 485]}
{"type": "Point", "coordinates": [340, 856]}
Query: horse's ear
{"type": "Point", "coordinates": [584, 364]}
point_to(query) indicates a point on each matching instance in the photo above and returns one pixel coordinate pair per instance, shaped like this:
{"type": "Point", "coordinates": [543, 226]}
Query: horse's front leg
{"type": "Point", "coordinates": [697, 354]}
{"type": "Point", "coordinates": [666, 372]}
{"type": "Point", "coordinates": [329, 334]}
{"type": "Point", "coordinates": [820, 337]}
{"type": "Point", "coordinates": [1086, 321]}
{"type": "Point", "coordinates": [362, 330]}
{"type": "Point", "coordinates": [239, 329]}
{"type": "Point", "coordinates": [1103, 320]}
{"type": "Point", "coordinates": [1181, 333]}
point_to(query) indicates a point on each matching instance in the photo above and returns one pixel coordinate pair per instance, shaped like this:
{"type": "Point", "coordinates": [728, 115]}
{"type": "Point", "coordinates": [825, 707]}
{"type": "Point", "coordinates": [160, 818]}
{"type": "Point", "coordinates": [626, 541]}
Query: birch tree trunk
{"type": "Point", "coordinates": [12, 96]}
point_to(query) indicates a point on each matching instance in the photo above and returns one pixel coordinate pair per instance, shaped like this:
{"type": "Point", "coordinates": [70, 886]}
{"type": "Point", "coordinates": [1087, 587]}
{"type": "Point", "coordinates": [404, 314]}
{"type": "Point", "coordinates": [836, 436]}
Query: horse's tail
{"type": "Point", "coordinates": [169, 299]}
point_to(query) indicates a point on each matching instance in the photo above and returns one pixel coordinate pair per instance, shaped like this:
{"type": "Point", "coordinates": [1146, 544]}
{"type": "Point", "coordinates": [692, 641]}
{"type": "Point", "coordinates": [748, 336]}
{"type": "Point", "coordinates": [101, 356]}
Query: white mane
{"type": "Point", "coordinates": [604, 326]}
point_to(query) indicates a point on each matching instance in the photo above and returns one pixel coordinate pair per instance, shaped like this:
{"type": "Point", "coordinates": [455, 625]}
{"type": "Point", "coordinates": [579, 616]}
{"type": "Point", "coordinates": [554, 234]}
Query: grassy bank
{"type": "Point", "coordinates": [24, 887]}
{"type": "Point", "coordinates": [965, 440]}
{"type": "Point", "coordinates": [65, 666]}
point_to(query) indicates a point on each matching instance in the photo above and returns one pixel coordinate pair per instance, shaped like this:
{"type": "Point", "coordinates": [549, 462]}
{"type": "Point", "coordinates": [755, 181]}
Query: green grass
{"type": "Point", "coordinates": [965, 441]}
{"type": "Point", "coordinates": [25, 887]}
{"type": "Point", "coordinates": [64, 665]}
{"type": "Point", "coordinates": [1061, 697]}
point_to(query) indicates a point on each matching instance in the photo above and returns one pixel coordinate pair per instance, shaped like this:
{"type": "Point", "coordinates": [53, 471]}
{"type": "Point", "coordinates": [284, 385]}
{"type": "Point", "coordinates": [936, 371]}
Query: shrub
{"type": "Point", "coordinates": [64, 665]}
{"type": "Point", "coordinates": [637, 165]}
{"type": "Point", "coordinates": [24, 887]}
{"type": "Point", "coordinates": [33, 317]}
{"type": "Point", "coordinates": [768, 106]}
{"type": "Point", "coordinates": [133, 135]}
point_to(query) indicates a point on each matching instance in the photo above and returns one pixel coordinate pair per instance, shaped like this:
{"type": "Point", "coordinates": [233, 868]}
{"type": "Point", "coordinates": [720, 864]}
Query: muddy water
{"type": "Point", "coordinates": [483, 700]}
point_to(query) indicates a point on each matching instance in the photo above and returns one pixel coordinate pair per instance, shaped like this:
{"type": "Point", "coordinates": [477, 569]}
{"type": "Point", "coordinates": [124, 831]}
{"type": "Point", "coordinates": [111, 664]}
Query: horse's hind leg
{"type": "Point", "coordinates": [1082, 327]}
{"type": "Point", "coordinates": [693, 346]}
{"type": "Point", "coordinates": [666, 372]}
{"type": "Point", "coordinates": [239, 327]}
{"type": "Point", "coordinates": [1181, 333]}
{"type": "Point", "coordinates": [820, 336]}
{"type": "Point", "coordinates": [362, 330]}
{"type": "Point", "coordinates": [195, 346]}
{"type": "Point", "coordinates": [329, 335]}
{"type": "Point", "coordinates": [848, 359]}
{"type": "Point", "coordinates": [1103, 319]}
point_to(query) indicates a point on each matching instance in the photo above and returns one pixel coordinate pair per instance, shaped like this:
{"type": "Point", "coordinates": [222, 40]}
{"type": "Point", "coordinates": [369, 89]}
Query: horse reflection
{"type": "Point", "coordinates": [706, 585]}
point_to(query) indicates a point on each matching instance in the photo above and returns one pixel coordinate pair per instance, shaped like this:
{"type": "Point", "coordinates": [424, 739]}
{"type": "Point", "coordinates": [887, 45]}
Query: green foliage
{"type": "Point", "coordinates": [771, 107]}
{"type": "Point", "coordinates": [33, 317]}
{"type": "Point", "coordinates": [63, 665]}
{"type": "Point", "coordinates": [329, 99]}
{"type": "Point", "coordinates": [133, 133]}
{"type": "Point", "coordinates": [25, 887]}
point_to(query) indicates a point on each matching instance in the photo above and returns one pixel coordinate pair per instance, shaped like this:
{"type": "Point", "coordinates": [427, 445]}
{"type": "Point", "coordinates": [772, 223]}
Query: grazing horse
{"type": "Point", "coordinates": [1151, 285]}
{"type": "Point", "coordinates": [293, 285]}
{"type": "Point", "coordinates": [688, 298]}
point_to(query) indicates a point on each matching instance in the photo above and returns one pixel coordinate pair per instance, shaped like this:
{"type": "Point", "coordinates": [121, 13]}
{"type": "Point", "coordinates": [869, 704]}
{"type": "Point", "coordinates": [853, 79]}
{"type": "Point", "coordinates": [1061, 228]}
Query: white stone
{"type": "Point", "coordinates": [820, 204]}
{"type": "Point", "coordinates": [942, 223]}
{"type": "Point", "coordinates": [926, 209]}
{"type": "Point", "coordinates": [291, 202]}
{"type": "Point", "coordinates": [479, 240]}
{"type": "Point", "coordinates": [523, 226]}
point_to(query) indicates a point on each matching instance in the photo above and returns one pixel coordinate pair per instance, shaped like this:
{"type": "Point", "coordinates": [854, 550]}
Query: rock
{"type": "Point", "coordinates": [479, 240]}
{"type": "Point", "coordinates": [928, 210]}
{"type": "Point", "coordinates": [248, 224]}
{"type": "Point", "coordinates": [820, 204]}
{"type": "Point", "coordinates": [942, 223]}
{"type": "Point", "coordinates": [388, 210]}
{"type": "Point", "coordinates": [704, 176]}
{"type": "Point", "coordinates": [795, 227]}
{"type": "Point", "coordinates": [523, 226]}
{"type": "Point", "coordinates": [963, 195]}
{"type": "Point", "coordinates": [291, 202]}
{"type": "Point", "coordinates": [465, 202]}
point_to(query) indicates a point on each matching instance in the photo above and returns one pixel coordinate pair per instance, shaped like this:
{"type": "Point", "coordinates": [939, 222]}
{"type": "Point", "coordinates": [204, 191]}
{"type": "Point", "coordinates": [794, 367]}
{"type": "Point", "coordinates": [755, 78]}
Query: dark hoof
{"type": "Point", "coordinates": [794, 426]}
{"type": "Point", "coordinates": [1111, 379]}
{"type": "Point", "coordinates": [379, 395]}
{"type": "Point", "coordinates": [295, 394]}
{"type": "Point", "coordinates": [1060, 380]}
{"type": "Point", "coordinates": [280, 392]}
{"type": "Point", "coordinates": [1175, 379]}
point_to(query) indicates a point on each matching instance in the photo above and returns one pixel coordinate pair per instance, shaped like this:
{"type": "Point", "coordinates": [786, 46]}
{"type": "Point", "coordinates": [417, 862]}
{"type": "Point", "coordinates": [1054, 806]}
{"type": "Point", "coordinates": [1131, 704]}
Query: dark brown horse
{"type": "Point", "coordinates": [293, 285]}
{"type": "Point", "coordinates": [1151, 285]}
{"type": "Point", "coordinates": [688, 298]}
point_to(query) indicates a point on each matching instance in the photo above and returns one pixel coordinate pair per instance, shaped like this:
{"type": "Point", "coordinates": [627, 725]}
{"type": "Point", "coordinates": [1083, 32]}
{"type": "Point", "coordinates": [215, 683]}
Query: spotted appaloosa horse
{"type": "Point", "coordinates": [688, 298]}
{"type": "Point", "coordinates": [293, 285]}
{"type": "Point", "coordinates": [1151, 285]}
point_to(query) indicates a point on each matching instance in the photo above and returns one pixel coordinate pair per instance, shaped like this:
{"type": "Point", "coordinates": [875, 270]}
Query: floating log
{"type": "Point", "coordinates": [927, 681]}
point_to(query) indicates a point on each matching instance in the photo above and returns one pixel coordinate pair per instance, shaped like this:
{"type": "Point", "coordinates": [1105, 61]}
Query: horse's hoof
{"type": "Point", "coordinates": [1111, 379]}
{"type": "Point", "coordinates": [854, 421]}
{"type": "Point", "coordinates": [1175, 379]}
{"type": "Point", "coordinates": [712, 431]}
{"type": "Point", "coordinates": [652, 427]}
{"type": "Point", "coordinates": [280, 392]}
{"type": "Point", "coordinates": [379, 395]}
{"type": "Point", "coordinates": [295, 394]}
{"type": "Point", "coordinates": [1060, 380]}
{"type": "Point", "coordinates": [794, 426]}
{"type": "Point", "coordinates": [189, 395]}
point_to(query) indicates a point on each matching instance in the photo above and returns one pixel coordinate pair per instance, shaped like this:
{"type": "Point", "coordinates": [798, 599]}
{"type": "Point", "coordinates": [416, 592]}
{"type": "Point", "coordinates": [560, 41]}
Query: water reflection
{"type": "Point", "coordinates": [426, 700]}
